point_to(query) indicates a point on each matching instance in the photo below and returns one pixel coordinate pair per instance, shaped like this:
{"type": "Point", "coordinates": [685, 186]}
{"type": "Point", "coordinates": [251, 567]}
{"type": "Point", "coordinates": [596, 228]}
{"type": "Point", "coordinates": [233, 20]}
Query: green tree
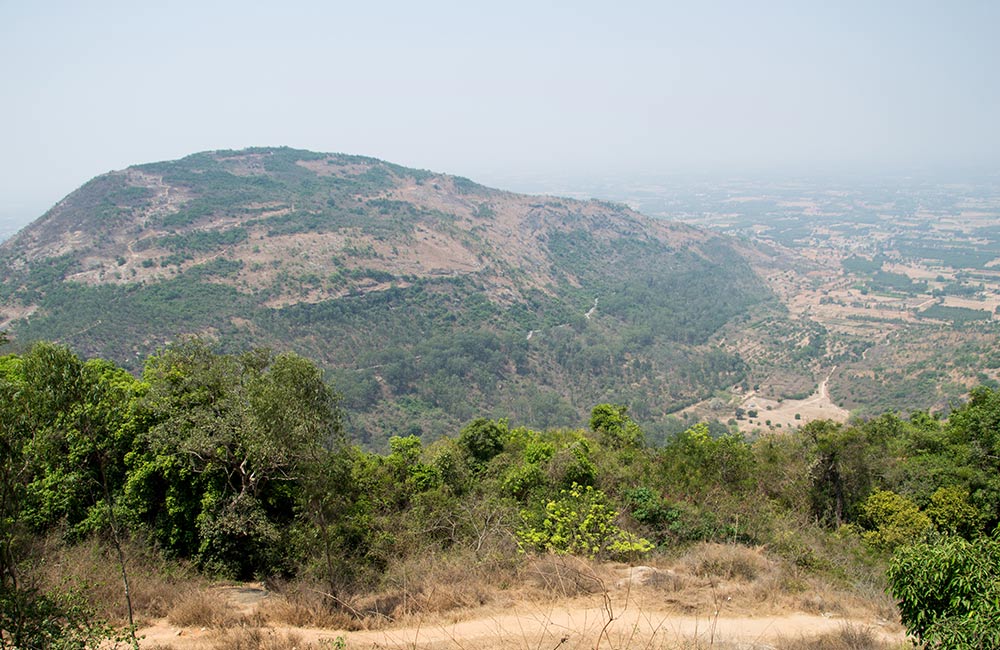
{"type": "Point", "coordinates": [975, 429]}
{"type": "Point", "coordinates": [80, 424]}
{"type": "Point", "coordinates": [615, 427]}
{"type": "Point", "coordinates": [527, 473]}
{"type": "Point", "coordinates": [335, 520]}
{"type": "Point", "coordinates": [239, 431]}
{"type": "Point", "coordinates": [952, 513]}
{"type": "Point", "coordinates": [483, 439]}
{"type": "Point", "coordinates": [890, 520]}
{"type": "Point", "coordinates": [696, 462]}
{"type": "Point", "coordinates": [843, 471]}
{"type": "Point", "coordinates": [29, 616]}
{"type": "Point", "coordinates": [948, 592]}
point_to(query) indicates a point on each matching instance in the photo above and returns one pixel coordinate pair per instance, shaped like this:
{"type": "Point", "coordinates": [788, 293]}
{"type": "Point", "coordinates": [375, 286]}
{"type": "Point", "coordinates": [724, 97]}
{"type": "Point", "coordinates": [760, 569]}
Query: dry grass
{"type": "Point", "coordinates": [706, 578]}
{"type": "Point", "coordinates": [203, 608]}
{"type": "Point", "coordinates": [429, 585]}
{"type": "Point", "coordinates": [156, 585]}
{"type": "Point", "coordinates": [646, 632]}
{"type": "Point", "coordinates": [256, 638]}
{"type": "Point", "coordinates": [436, 588]}
{"type": "Point", "coordinates": [746, 580]}
{"type": "Point", "coordinates": [565, 576]}
{"type": "Point", "coordinates": [304, 604]}
{"type": "Point", "coordinates": [558, 602]}
{"type": "Point", "coordinates": [726, 561]}
{"type": "Point", "coordinates": [523, 602]}
{"type": "Point", "coordinates": [849, 637]}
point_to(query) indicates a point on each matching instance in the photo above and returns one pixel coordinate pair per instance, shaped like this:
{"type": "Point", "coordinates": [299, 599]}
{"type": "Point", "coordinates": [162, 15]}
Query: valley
{"type": "Point", "coordinates": [900, 276]}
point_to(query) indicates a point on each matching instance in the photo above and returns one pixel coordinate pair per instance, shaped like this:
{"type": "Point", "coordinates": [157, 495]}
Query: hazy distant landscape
{"type": "Point", "coordinates": [902, 272]}
{"type": "Point", "coordinates": [454, 326]}
{"type": "Point", "coordinates": [10, 225]}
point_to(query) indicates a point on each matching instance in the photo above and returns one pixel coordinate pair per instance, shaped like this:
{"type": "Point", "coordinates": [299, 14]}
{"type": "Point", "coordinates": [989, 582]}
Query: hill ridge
{"type": "Point", "coordinates": [311, 251]}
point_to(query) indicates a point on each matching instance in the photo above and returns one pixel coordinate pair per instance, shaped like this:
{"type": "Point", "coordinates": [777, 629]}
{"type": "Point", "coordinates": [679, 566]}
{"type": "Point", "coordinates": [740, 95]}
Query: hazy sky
{"type": "Point", "coordinates": [499, 89]}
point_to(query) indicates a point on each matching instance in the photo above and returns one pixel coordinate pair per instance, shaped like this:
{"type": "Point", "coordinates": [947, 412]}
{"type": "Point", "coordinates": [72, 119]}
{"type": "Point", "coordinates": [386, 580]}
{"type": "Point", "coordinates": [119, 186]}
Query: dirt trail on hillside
{"type": "Point", "coordinates": [817, 406]}
{"type": "Point", "coordinates": [566, 625]}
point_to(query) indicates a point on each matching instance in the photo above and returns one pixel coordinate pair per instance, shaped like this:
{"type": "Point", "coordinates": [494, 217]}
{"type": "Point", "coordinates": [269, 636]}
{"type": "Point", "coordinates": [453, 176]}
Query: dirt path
{"type": "Point", "coordinates": [581, 628]}
{"type": "Point", "coordinates": [817, 406]}
{"type": "Point", "coordinates": [568, 627]}
{"type": "Point", "coordinates": [821, 395]}
{"type": "Point", "coordinates": [588, 315]}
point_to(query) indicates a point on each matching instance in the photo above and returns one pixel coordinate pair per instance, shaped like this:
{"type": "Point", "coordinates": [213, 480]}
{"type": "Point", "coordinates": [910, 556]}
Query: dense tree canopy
{"type": "Point", "coordinates": [240, 464]}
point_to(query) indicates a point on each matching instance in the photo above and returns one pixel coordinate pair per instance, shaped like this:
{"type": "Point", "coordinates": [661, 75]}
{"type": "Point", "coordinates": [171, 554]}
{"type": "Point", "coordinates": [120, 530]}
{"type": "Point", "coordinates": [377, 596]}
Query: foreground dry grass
{"type": "Point", "coordinates": [713, 596]}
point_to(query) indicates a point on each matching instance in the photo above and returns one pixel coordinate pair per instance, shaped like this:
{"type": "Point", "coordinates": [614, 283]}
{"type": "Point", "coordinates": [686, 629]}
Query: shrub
{"type": "Point", "coordinates": [483, 439]}
{"type": "Point", "coordinates": [948, 592]}
{"type": "Point", "coordinates": [617, 429]}
{"type": "Point", "coordinates": [255, 638]}
{"type": "Point", "coordinates": [580, 522]}
{"type": "Point", "coordinates": [951, 511]}
{"type": "Point", "coordinates": [849, 637]}
{"type": "Point", "coordinates": [892, 520]}
{"type": "Point", "coordinates": [203, 609]}
{"type": "Point", "coordinates": [726, 561]}
{"type": "Point", "coordinates": [61, 619]}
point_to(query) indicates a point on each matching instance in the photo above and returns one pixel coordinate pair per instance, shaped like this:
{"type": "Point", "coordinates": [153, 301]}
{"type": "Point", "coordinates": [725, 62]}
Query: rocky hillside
{"type": "Point", "coordinates": [428, 297]}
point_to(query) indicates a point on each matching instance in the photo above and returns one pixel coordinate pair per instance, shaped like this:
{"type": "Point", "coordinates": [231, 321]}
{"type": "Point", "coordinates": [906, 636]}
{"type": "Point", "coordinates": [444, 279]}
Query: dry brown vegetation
{"type": "Point", "coordinates": [205, 608]}
{"type": "Point", "coordinates": [849, 637]}
{"type": "Point", "coordinates": [709, 596]}
{"type": "Point", "coordinates": [157, 586]}
{"type": "Point", "coordinates": [256, 638]}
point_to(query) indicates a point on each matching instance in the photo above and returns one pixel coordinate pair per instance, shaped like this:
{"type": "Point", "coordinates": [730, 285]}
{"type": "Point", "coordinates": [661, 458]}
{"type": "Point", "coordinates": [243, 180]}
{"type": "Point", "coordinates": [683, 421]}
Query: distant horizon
{"type": "Point", "coordinates": [517, 90]}
{"type": "Point", "coordinates": [13, 217]}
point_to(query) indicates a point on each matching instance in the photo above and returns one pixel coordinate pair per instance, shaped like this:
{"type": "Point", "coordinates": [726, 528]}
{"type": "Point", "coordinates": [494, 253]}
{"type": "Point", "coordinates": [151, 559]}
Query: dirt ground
{"type": "Point", "coordinates": [774, 415]}
{"type": "Point", "coordinates": [562, 627]}
{"type": "Point", "coordinates": [817, 406]}
{"type": "Point", "coordinates": [615, 620]}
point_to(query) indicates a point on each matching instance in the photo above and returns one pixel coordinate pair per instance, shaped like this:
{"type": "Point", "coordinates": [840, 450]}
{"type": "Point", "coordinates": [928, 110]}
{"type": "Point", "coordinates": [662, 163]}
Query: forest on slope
{"type": "Point", "coordinates": [432, 299]}
{"type": "Point", "coordinates": [238, 464]}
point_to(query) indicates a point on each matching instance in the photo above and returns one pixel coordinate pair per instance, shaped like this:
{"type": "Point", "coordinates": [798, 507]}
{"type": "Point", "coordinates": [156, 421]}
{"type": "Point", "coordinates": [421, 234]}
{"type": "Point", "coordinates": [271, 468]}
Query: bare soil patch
{"type": "Point", "coordinates": [693, 604]}
{"type": "Point", "coordinates": [793, 412]}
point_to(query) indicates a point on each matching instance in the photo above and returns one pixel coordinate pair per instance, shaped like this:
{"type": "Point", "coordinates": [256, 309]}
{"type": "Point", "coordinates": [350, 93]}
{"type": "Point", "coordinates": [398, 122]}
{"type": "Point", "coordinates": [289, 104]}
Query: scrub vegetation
{"type": "Point", "coordinates": [213, 465]}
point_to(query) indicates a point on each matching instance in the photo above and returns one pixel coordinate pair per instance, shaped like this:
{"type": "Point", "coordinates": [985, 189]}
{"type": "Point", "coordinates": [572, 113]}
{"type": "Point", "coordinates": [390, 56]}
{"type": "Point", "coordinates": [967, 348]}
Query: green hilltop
{"type": "Point", "coordinates": [428, 297]}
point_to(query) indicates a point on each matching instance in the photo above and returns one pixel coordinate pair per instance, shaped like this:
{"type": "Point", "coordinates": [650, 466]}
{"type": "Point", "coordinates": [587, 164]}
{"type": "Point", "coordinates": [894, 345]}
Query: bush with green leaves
{"type": "Point", "coordinates": [952, 513]}
{"type": "Point", "coordinates": [675, 522]}
{"type": "Point", "coordinates": [697, 461]}
{"type": "Point", "coordinates": [579, 522]}
{"type": "Point", "coordinates": [614, 425]}
{"type": "Point", "coordinates": [891, 520]}
{"type": "Point", "coordinates": [948, 592]}
{"type": "Point", "coordinates": [483, 439]}
{"type": "Point", "coordinates": [61, 620]}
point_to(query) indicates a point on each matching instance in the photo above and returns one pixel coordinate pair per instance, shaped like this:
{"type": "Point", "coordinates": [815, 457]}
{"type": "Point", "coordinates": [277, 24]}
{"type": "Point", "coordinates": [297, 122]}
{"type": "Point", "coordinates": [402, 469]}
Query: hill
{"type": "Point", "coordinates": [430, 298]}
